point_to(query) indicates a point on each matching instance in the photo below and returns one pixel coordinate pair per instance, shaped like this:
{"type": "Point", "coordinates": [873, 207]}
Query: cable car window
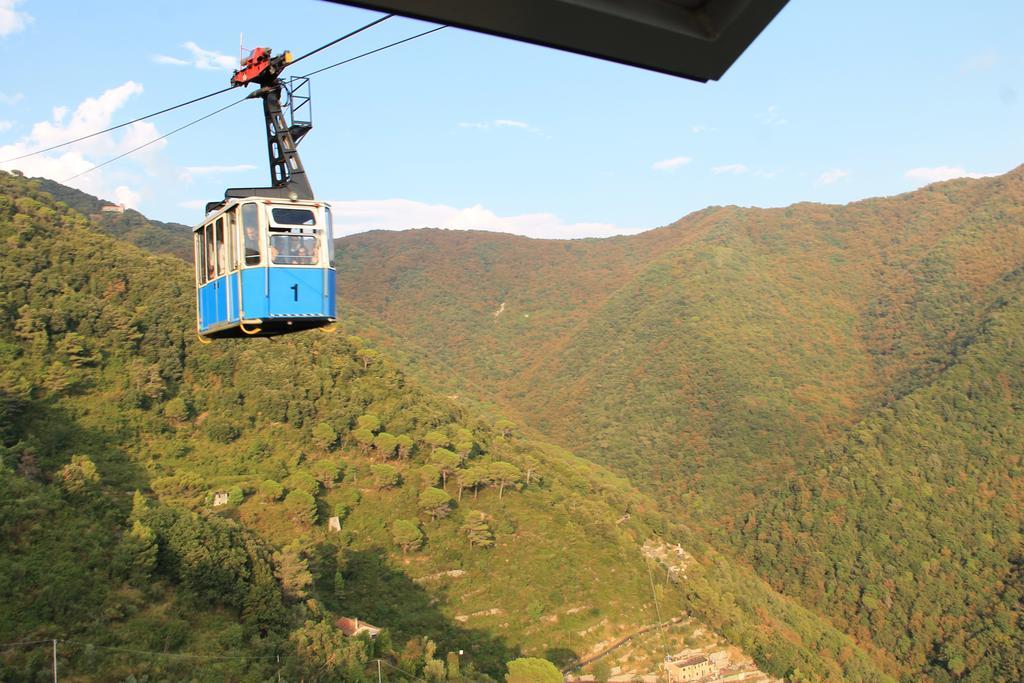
{"type": "Point", "coordinates": [284, 216]}
{"type": "Point", "coordinates": [200, 258]}
{"type": "Point", "coordinates": [232, 240]}
{"type": "Point", "coordinates": [220, 246]}
{"type": "Point", "coordinates": [211, 259]}
{"type": "Point", "coordinates": [251, 227]}
{"type": "Point", "coordinates": [294, 250]}
{"type": "Point", "coordinates": [330, 238]}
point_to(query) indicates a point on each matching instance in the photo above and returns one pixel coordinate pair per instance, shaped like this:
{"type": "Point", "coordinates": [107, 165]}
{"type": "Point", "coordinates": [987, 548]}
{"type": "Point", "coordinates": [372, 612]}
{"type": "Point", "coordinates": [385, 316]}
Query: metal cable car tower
{"type": "Point", "coordinates": [287, 175]}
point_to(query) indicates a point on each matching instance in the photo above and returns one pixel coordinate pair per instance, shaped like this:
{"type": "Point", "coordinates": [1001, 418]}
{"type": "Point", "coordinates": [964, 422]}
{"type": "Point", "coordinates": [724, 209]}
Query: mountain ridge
{"type": "Point", "coordinates": [104, 392]}
{"type": "Point", "coordinates": [710, 370]}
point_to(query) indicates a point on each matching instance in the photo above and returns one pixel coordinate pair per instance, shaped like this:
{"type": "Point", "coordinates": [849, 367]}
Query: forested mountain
{"type": "Point", "coordinates": [130, 226]}
{"type": "Point", "coordinates": [724, 362]}
{"type": "Point", "coordinates": [118, 430]}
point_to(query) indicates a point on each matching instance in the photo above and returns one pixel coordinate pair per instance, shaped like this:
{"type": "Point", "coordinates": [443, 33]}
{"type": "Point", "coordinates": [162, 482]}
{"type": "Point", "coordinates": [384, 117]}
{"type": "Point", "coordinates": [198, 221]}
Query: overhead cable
{"type": "Point", "coordinates": [192, 101]}
{"type": "Point", "coordinates": [183, 655]}
{"type": "Point", "coordinates": [24, 643]}
{"type": "Point", "coordinates": [379, 49]}
{"type": "Point", "coordinates": [153, 141]}
{"type": "Point", "coordinates": [120, 125]}
{"type": "Point", "coordinates": [213, 113]}
{"type": "Point", "coordinates": [344, 37]}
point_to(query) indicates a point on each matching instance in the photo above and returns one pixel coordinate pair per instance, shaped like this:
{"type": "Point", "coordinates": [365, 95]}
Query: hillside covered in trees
{"type": "Point", "coordinates": [118, 430]}
{"type": "Point", "coordinates": [832, 393]}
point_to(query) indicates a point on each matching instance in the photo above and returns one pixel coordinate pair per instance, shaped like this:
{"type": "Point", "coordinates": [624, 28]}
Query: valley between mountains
{"type": "Point", "coordinates": [794, 432]}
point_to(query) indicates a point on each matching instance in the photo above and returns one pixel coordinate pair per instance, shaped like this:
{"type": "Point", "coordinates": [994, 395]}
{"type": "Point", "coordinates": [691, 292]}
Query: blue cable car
{"type": "Point", "coordinates": [264, 256]}
{"type": "Point", "coordinates": [264, 267]}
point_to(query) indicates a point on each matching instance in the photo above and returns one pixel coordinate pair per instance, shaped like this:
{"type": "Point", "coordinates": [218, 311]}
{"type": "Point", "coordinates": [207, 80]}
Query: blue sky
{"type": "Point", "coordinates": [834, 102]}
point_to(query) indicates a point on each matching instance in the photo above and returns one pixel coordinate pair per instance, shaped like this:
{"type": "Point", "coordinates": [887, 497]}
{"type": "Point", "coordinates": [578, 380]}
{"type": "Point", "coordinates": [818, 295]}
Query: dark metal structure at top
{"type": "Point", "coordinates": [287, 175]}
{"type": "Point", "coordinates": [695, 39]}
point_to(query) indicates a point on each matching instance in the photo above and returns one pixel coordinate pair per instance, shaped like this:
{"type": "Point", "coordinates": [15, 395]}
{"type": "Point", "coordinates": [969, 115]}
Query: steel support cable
{"type": "Point", "coordinates": [312, 73]}
{"type": "Point", "coordinates": [24, 643]}
{"type": "Point", "coordinates": [120, 125]}
{"type": "Point", "coordinates": [192, 101]}
{"type": "Point", "coordinates": [183, 655]}
{"type": "Point", "coordinates": [344, 37]}
{"type": "Point", "coordinates": [379, 49]}
{"type": "Point", "coordinates": [154, 140]}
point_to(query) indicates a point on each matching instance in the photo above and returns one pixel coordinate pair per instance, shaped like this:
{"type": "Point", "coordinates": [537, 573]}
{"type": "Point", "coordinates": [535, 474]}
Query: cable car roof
{"type": "Point", "coordinates": [695, 39]}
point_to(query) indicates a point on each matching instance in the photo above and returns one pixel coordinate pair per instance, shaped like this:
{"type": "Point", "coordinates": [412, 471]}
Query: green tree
{"type": "Point", "coordinates": [602, 671]}
{"type": "Point", "coordinates": [385, 445]}
{"type": "Point", "coordinates": [532, 670]}
{"type": "Point", "coordinates": [177, 409]}
{"type": "Point", "coordinates": [326, 471]}
{"type": "Point", "coordinates": [502, 474]}
{"type": "Point", "coordinates": [428, 475]}
{"type": "Point", "coordinates": [338, 657]}
{"type": "Point", "coordinates": [136, 553]}
{"type": "Point", "coordinates": [270, 491]}
{"type": "Point", "coordinates": [140, 506]}
{"type": "Point", "coordinates": [236, 495]}
{"type": "Point", "coordinates": [221, 430]}
{"type": "Point", "coordinates": [325, 436]}
{"type": "Point", "coordinates": [505, 427]}
{"type": "Point", "coordinates": [435, 439]}
{"type": "Point", "coordinates": [303, 481]}
{"type": "Point", "coordinates": [301, 506]}
{"type": "Point", "coordinates": [435, 502]}
{"type": "Point", "coordinates": [292, 569]}
{"type": "Point", "coordinates": [473, 478]}
{"type": "Point", "coordinates": [447, 462]}
{"type": "Point", "coordinates": [478, 530]}
{"type": "Point", "coordinates": [385, 476]}
{"type": "Point", "coordinates": [79, 474]}
{"type": "Point", "coordinates": [363, 437]}
{"type": "Point", "coordinates": [407, 535]}
{"type": "Point", "coordinates": [405, 444]}
{"type": "Point", "coordinates": [367, 356]}
{"type": "Point", "coordinates": [368, 421]}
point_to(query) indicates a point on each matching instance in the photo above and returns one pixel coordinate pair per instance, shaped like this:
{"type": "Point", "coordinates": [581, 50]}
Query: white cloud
{"type": "Point", "coordinates": [772, 117]}
{"type": "Point", "coordinates": [938, 173]}
{"type": "Point", "coordinates": [173, 61]}
{"type": "Point", "coordinates": [92, 114]}
{"type": "Point", "coordinates": [698, 129]}
{"type": "Point", "coordinates": [206, 170]}
{"type": "Point", "coordinates": [735, 169]}
{"type": "Point", "coordinates": [982, 62]}
{"type": "Point", "coordinates": [499, 123]}
{"type": "Point", "coordinates": [767, 175]}
{"type": "Point", "coordinates": [400, 214]}
{"type": "Point", "coordinates": [670, 164]}
{"type": "Point", "coordinates": [6, 126]}
{"type": "Point", "coordinates": [189, 171]}
{"type": "Point", "coordinates": [832, 176]}
{"type": "Point", "coordinates": [127, 196]}
{"type": "Point", "coordinates": [11, 100]}
{"type": "Point", "coordinates": [200, 59]}
{"type": "Point", "coordinates": [11, 20]}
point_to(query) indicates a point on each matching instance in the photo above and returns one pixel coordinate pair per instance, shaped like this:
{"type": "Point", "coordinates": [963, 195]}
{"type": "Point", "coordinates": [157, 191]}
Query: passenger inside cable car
{"type": "Point", "coordinates": [260, 268]}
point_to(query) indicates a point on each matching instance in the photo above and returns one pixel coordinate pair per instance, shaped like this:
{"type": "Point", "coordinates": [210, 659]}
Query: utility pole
{"type": "Point", "coordinates": [378, 672]}
{"type": "Point", "coordinates": [54, 660]}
